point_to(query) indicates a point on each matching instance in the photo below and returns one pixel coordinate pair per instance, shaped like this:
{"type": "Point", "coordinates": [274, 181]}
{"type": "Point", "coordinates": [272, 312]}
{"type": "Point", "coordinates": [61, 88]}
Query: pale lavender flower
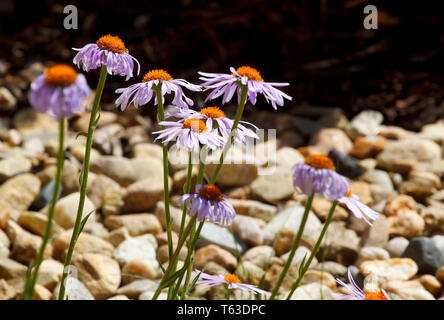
{"type": "Point", "coordinates": [141, 93]}
{"type": "Point", "coordinates": [190, 134]}
{"type": "Point", "coordinates": [360, 210]}
{"type": "Point", "coordinates": [317, 175]}
{"type": "Point", "coordinates": [231, 281]}
{"type": "Point", "coordinates": [222, 84]}
{"type": "Point", "coordinates": [356, 293]}
{"type": "Point", "coordinates": [215, 117]}
{"type": "Point", "coordinates": [59, 92]}
{"type": "Point", "coordinates": [110, 51]}
{"type": "Point", "coordinates": [210, 204]}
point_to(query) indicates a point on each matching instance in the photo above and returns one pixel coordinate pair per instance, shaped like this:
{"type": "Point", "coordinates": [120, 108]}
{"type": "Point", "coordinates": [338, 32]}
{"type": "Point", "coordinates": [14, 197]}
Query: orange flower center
{"type": "Point", "coordinates": [111, 43]}
{"type": "Point", "coordinates": [60, 75]}
{"type": "Point", "coordinates": [158, 74]}
{"type": "Point", "coordinates": [232, 278]}
{"type": "Point", "coordinates": [349, 193]}
{"type": "Point", "coordinates": [319, 161]}
{"type": "Point", "coordinates": [213, 112]}
{"type": "Point", "coordinates": [211, 192]}
{"type": "Point", "coordinates": [250, 73]}
{"type": "Point", "coordinates": [375, 296]}
{"type": "Point", "coordinates": [196, 125]}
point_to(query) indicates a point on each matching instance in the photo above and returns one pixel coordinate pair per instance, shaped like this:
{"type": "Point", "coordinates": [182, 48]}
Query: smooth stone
{"type": "Point", "coordinates": [365, 123]}
{"type": "Point", "coordinates": [14, 165]}
{"type": "Point", "coordinates": [74, 290]}
{"type": "Point", "coordinates": [216, 254]}
{"type": "Point", "coordinates": [97, 188]}
{"type": "Point", "coordinates": [142, 247]}
{"type": "Point", "coordinates": [260, 255]}
{"type": "Point", "coordinates": [99, 273]}
{"type": "Point", "coordinates": [390, 269]}
{"type": "Point", "coordinates": [65, 212]}
{"type": "Point", "coordinates": [214, 234]}
{"type": "Point", "coordinates": [36, 222]}
{"type": "Point", "coordinates": [127, 171]}
{"type": "Point", "coordinates": [248, 230]}
{"type": "Point", "coordinates": [135, 288]}
{"type": "Point", "coordinates": [331, 138]}
{"type": "Point", "coordinates": [425, 253]}
{"type": "Point", "coordinates": [345, 164]}
{"type": "Point", "coordinates": [407, 290]}
{"type": "Point", "coordinates": [143, 195]}
{"type": "Point", "coordinates": [7, 292]}
{"type": "Point", "coordinates": [10, 269]}
{"type": "Point", "coordinates": [45, 196]}
{"type": "Point", "coordinates": [433, 218]}
{"type": "Point", "coordinates": [372, 253]}
{"type": "Point", "coordinates": [252, 208]}
{"type": "Point", "coordinates": [137, 268]}
{"type": "Point", "coordinates": [312, 291]}
{"type": "Point", "coordinates": [136, 224]}
{"type": "Point", "coordinates": [396, 246]}
{"type": "Point", "coordinates": [274, 186]}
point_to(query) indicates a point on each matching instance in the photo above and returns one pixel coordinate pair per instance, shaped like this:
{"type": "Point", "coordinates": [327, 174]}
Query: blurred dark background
{"type": "Point", "coordinates": [319, 46]}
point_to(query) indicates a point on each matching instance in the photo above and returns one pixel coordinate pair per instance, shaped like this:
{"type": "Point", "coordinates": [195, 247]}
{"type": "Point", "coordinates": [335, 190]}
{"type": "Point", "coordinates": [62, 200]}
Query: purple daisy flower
{"type": "Point", "coordinates": [317, 175]}
{"type": "Point", "coordinates": [189, 134]}
{"type": "Point", "coordinates": [231, 281]}
{"type": "Point", "coordinates": [356, 293]}
{"type": "Point", "coordinates": [360, 210]}
{"type": "Point", "coordinates": [210, 204]}
{"type": "Point", "coordinates": [110, 51]}
{"type": "Point", "coordinates": [143, 92]}
{"type": "Point", "coordinates": [227, 84]}
{"type": "Point", "coordinates": [59, 92]}
{"type": "Point", "coordinates": [215, 117]}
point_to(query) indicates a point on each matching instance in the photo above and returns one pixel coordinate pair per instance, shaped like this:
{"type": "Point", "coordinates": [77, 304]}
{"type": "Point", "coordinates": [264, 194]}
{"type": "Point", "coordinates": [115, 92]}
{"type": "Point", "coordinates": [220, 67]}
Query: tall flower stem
{"type": "Point", "coordinates": [239, 112]}
{"type": "Point", "coordinates": [172, 262]}
{"type": "Point", "coordinates": [193, 233]}
{"type": "Point", "coordinates": [315, 249]}
{"type": "Point", "coordinates": [30, 284]}
{"type": "Point", "coordinates": [166, 191]}
{"type": "Point", "coordinates": [83, 178]}
{"type": "Point", "coordinates": [294, 248]}
{"type": "Point", "coordinates": [186, 190]}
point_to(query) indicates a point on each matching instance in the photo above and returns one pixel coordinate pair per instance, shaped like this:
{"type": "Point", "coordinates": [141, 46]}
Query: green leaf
{"type": "Point", "coordinates": [193, 283]}
{"type": "Point", "coordinates": [162, 268]}
{"type": "Point", "coordinates": [96, 121]}
{"type": "Point", "coordinates": [83, 134]}
{"type": "Point", "coordinates": [84, 220]}
{"type": "Point", "coordinates": [170, 280]}
{"type": "Point", "coordinates": [301, 266]}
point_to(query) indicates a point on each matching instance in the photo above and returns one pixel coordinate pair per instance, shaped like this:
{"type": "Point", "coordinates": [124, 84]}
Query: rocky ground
{"type": "Point", "coordinates": [395, 171]}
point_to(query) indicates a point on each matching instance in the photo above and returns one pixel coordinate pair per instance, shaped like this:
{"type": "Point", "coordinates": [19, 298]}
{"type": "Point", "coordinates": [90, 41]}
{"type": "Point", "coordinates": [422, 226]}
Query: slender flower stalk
{"type": "Point", "coordinates": [83, 179]}
{"type": "Point", "coordinates": [30, 283]}
{"type": "Point", "coordinates": [294, 247]}
{"type": "Point", "coordinates": [239, 112]}
{"type": "Point", "coordinates": [166, 192]}
{"type": "Point", "coordinates": [306, 265]}
{"type": "Point", "coordinates": [59, 92]}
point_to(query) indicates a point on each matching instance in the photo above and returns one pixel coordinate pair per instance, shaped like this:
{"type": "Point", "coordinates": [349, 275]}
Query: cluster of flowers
{"type": "Point", "coordinates": [61, 91]}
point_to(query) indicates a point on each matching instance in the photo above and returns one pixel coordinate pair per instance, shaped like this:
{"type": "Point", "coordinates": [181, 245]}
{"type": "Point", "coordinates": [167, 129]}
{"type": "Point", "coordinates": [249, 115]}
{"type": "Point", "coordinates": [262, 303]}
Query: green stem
{"type": "Point", "coordinates": [29, 291]}
{"type": "Point", "coordinates": [171, 264]}
{"type": "Point", "coordinates": [192, 235]}
{"type": "Point", "coordinates": [166, 191]}
{"type": "Point", "coordinates": [84, 178]}
{"type": "Point", "coordinates": [186, 191]}
{"type": "Point", "coordinates": [315, 249]}
{"type": "Point", "coordinates": [294, 248]}
{"type": "Point", "coordinates": [239, 112]}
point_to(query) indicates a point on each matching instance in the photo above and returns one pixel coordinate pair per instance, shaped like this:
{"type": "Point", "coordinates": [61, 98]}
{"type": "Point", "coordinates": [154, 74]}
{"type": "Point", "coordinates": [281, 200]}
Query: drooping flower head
{"type": "Point", "coordinates": [228, 84]}
{"type": "Point", "coordinates": [190, 134]}
{"type": "Point", "coordinates": [360, 210]}
{"type": "Point", "coordinates": [230, 281]}
{"type": "Point", "coordinates": [210, 204]}
{"type": "Point", "coordinates": [214, 117]}
{"type": "Point", "coordinates": [110, 51]}
{"type": "Point", "coordinates": [356, 293]}
{"type": "Point", "coordinates": [59, 92]}
{"type": "Point", "coordinates": [142, 93]}
{"type": "Point", "coordinates": [317, 175]}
